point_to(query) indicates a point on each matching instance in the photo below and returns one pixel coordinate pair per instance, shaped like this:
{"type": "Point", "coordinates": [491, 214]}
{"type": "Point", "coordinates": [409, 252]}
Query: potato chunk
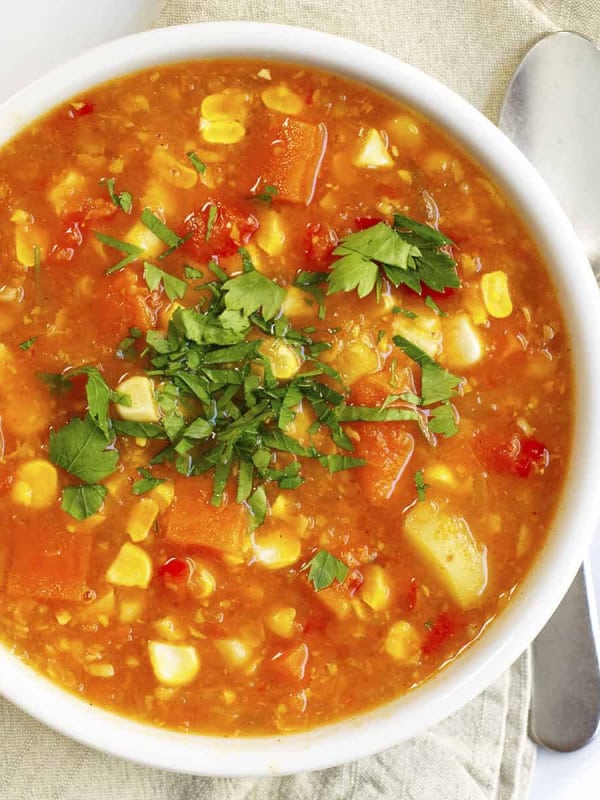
{"type": "Point", "coordinates": [140, 391]}
{"type": "Point", "coordinates": [173, 664]}
{"type": "Point", "coordinates": [131, 567]}
{"type": "Point", "coordinates": [373, 153]}
{"type": "Point", "coordinates": [276, 549]}
{"type": "Point", "coordinates": [375, 590]}
{"type": "Point", "coordinates": [446, 543]}
{"type": "Point", "coordinates": [402, 643]}
{"type": "Point", "coordinates": [36, 484]}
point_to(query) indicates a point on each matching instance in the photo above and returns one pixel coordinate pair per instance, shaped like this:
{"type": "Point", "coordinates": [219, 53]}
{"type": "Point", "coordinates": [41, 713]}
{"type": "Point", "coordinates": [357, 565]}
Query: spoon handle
{"type": "Point", "coordinates": [565, 706]}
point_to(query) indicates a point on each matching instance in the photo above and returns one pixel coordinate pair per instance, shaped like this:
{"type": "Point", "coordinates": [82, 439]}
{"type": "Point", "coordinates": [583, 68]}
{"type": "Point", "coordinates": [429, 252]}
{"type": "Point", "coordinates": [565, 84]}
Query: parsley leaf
{"type": "Point", "coordinates": [174, 287]}
{"type": "Point", "coordinates": [57, 383]}
{"type": "Point", "coordinates": [437, 384]}
{"type": "Point", "coordinates": [123, 200]}
{"type": "Point", "coordinates": [324, 568]}
{"type": "Point", "coordinates": [442, 421]}
{"type": "Point", "coordinates": [420, 485]}
{"type": "Point", "coordinates": [79, 447]}
{"type": "Point", "coordinates": [354, 271]}
{"type": "Point", "coordinates": [258, 506]}
{"type": "Point", "coordinates": [267, 195]}
{"type": "Point", "coordinates": [210, 221]}
{"type": "Point", "coordinates": [252, 291]}
{"type": "Point", "coordinates": [159, 229]}
{"type": "Point", "coordinates": [132, 251]}
{"type": "Point", "coordinates": [146, 482]}
{"type": "Point", "coordinates": [83, 501]}
{"type": "Point", "coordinates": [430, 303]}
{"type": "Point", "coordinates": [98, 395]}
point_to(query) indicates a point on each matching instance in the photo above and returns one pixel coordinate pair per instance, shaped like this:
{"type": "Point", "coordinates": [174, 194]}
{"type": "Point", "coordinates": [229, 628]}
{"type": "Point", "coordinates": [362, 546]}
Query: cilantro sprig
{"type": "Point", "coordinates": [324, 568]}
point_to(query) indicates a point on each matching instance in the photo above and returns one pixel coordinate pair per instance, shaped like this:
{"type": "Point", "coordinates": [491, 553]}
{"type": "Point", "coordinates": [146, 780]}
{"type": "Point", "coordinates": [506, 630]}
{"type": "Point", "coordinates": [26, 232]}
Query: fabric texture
{"type": "Point", "coordinates": [482, 752]}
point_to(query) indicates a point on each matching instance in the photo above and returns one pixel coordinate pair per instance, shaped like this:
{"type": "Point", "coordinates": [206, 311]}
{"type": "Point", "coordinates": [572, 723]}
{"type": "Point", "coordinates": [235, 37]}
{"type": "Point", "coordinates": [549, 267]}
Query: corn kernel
{"type": "Point", "coordinates": [375, 590]}
{"type": "Point", "coordinates": [425, 332]}
{"type": "Point", "coordinates": [281, 622]}
{"type": "Point", "coordinates": [230, 104]}
{"type": "Point", "coordinates": [224, 131]}
{"type": "Point", "coordinates": [131, 567]}
{"type": "Point", "coordinates": [285, 359]}
{"type": "Point", "coordinates": [282, 506]}
{"type": "Point", "coordinates": [496, 294]}
{"type": "Point", "coordinates": [100, 670]}
{"type": "Point", "coordinates": [202, 582]}
{"type": "Point", "coordinates": [28, 236]}
{"type": "Point", "coordinates": [143, 406]}
{"type": "Point", "coordinates": [131, 609]}
{"type": "Point", "coordinates": [441, 474]}
{"type": "Point", "coordinates": [170, 169]}
{"type": "Point", "coordinates": [163, 495]}
{"type": "Point", "coordinates": [173, 664]}
{"type": "Point", "coordinates": [235, 652]}
{"type": "Point", "coordinates": [402, 643]}
{"type": "Point", "coordinates": [36, 484]}
{"type": "Point", "coordinates": [270, 237]}
{"type": "Point", "coordinates": [276, 549]}
{"type": "Point", "coordinates": [357, 359]}
{"type": "Point", "coordinates": [169, 628]}
{"type": "Point", "coordinates": [373, 153]}
{"type": "Point", "coordinates": [404, 132]}
{"type": "Point", "coordinates": [282, 99]}
{"type": "Point", "coordinates": [141, 519]}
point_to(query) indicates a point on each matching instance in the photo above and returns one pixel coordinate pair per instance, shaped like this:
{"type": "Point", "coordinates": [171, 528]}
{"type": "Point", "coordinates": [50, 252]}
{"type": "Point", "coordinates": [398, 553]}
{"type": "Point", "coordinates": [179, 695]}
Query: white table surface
{"type": "Point", "coordinates": [37, 34]}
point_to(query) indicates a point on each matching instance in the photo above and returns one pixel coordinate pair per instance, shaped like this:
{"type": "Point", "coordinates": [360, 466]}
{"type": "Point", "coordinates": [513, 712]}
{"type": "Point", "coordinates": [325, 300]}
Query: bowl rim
{"type": "Point", "coordinates": [576, 520]}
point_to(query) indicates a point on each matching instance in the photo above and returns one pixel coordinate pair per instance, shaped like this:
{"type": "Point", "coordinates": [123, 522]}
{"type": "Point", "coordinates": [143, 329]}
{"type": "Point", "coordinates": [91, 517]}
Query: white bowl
{"type": "Point", "coordinates": [575, 522]}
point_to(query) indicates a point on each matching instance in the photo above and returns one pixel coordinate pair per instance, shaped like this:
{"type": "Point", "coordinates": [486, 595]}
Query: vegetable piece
{"type": "Point", "coordinates": [463, 347]}
{"type": "Point", "coordinates": [235, 652]}
{"type": "Point", "coordinates": [271, 235]}
{"type": "Point", "coordinates": [387, 448]}
{"type": "Point", "coordinates": [324, 568]}
{"type": "Point", "coordinates": [375, 589]}
{"type": "Point", "coordinates": [140, 391]}
{"type": "Point", "coordinates": [496, 294]}
{"type": "Point", "coordinates": [295, 158]}
{"type": "Point", "coordinates": [276, 549]}
{"type": "Point", "coordinates": [231, 229]}
{"type": "Point", "coordinates": [173, 664]}
{"type": "Point", "coordinates": [439, 633]}
{"type": "Point", "coordinates": [403, 643]}
{"type": "Point", "coordinates": [281, 622]}
{"type": "Point", "coordinates": [517, 456]}
{"type": "Point", "coordinates": [285, 360]}
{"type": "Point", "coordinates": [49, 564]}
{"type": "Point", "coordinates": [373, 153]}
{"type": "Point", "coordinates": [448, 547]}
{"type": "Point", "coordinates": [193, 521]}
{"type": "Point", "coordinates": [141, 519]}
{"type": "Point", "coordinates": [131, 567]}
{"type": "Point", "coordinates": [223, 131]}
{"type": "Point", "coordinates": [283, 100]}
{"type": "Point", "coordinates": [172, 170]}
{"type": "Point", "coordinates": [292, 663]}
{"type": "Point", "coordinates": [36, 484]}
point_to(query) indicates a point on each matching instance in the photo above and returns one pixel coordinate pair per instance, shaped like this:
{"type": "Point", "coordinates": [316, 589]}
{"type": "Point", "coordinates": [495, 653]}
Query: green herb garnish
{"type": "Point", "coordinates": [27, 343]}
{"type": "Point", "coordinates": [198, 165]}
{"type": "Point", "coordinates": [83, 501]}
{"type": "Point", "coordinates": [175, 288]}
{"type": "Point", "coordinates": [324, 568]}
{"type": "Point", "coordinates": [420, 485]}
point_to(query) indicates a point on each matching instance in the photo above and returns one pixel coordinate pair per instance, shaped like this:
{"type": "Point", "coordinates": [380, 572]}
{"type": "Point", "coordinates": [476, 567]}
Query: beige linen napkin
{"type": "Point", "coordinates": [482, 752]}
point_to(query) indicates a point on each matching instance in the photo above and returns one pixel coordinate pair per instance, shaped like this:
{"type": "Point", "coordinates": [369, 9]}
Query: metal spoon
{"type": "Point", "coordinates": [552, 113]}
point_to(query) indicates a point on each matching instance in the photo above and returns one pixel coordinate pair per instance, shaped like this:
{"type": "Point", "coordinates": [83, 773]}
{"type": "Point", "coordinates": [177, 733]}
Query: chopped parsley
{"type": "Point", "coordinates": [405, 312]}
{"type": "Point", "coordinates": [146, 482]}
{"type": "Point", "coordinates": [430, 303]}
{"type": "Point", "coordinates": [27, 343]}
{"type": "Point", "coordinates": [132, 251]}
{"type": "Point", "coordinates": [123, 200]}
{"type": "Point", "coordinates": [198, 165]}
{"type": "Point", "coordinates": [81, 449]}
{"type": "Point", "coordinates": [211, 219]}
{"type": "Point", "coordinates": [324, 568]}
{"type": "Point", "coordinates": [175, 288]}
{"type": "Point", "coordinates": [420, 485]}
{"type": "Point", "coordinates": [437, 384]}
{"type": "Point", "coordinates": [267, 194]}
{"type": "Point", "coordinates": [160, 230]}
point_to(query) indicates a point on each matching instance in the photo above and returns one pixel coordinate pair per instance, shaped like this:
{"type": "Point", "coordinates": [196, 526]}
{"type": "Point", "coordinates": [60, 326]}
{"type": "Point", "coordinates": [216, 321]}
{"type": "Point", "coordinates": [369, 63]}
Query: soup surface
{"type": "Point", "coordinates": [285, 397]}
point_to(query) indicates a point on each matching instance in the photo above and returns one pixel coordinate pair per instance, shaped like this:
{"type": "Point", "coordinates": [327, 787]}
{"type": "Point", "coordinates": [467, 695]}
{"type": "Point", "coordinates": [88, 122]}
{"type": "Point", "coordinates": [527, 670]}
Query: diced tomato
{"type": "Point", "coordinates": [517, 456]}
{"type": "Point", "coordinates": [231, 229]}
{"type": "Point", "coordinates": [49, 564]}
{"type": "Point", "coordinates": [362, 223]}
{"type": "Point", "coordinates": [80, 109]}
{"type": "Point", "coordinates": [296, 152]}
{"type": "Point", "coordinates": [194, 522]}
{"type": "Point", "coordinates": [92, 210]}
{"type": "Point", "coordinates": [411, 595]}
{"type": "Point", "coordinates": [174, 573]}
{"type": "Point", "coordinates": [321, 241]}
{"type": "Point", "coordinates": [441, 631]}
{"type": "Point", "coordinates": [354, 581]}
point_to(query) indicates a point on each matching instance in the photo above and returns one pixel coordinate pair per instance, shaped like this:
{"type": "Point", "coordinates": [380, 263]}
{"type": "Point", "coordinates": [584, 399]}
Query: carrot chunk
{"type": "Point", "coordinates": [295, 159]}
{"type": "Point", "coordinates": [386, 446]}
{"type": "Point", "coordinates": [193, 521]}
{"type": "Point", "coordinates": [53, 567]}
